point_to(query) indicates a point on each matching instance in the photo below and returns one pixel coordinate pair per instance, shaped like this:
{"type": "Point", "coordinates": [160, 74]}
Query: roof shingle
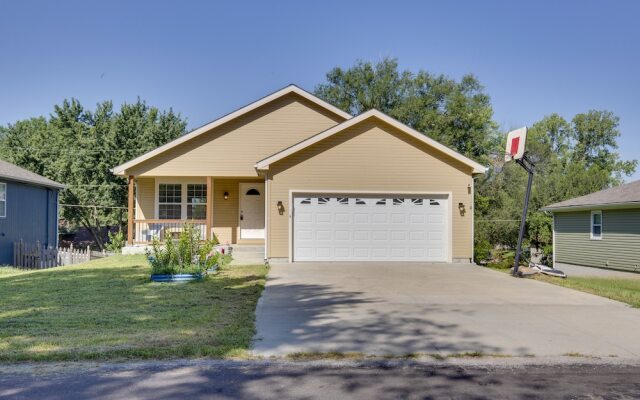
{"type": "Point", "coordinates": [627, 194]}
{"type": "Point", "coordinates": [15, 173]}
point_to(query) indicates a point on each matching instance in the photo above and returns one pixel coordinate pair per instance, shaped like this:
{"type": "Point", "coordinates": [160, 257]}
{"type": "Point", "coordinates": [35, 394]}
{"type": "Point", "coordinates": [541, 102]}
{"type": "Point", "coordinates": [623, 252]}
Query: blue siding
{"type": "Point", "coordinates": [31, 216]}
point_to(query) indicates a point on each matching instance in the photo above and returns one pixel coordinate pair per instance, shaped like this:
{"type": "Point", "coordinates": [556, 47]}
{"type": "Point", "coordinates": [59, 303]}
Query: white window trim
{"type": "Point", "coordinates": [176, 181]}
{"type": "Point", "coordinates": [3, 214]}
{"type": "Point", "coordinates": [591, 225]}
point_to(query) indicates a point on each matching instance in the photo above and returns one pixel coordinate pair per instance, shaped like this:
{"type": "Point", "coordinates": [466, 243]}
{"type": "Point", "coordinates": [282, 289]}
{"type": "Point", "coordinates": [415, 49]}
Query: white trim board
{"type": "Point", "coordinates": [264, 164]}
{"type": "Point", "coordinates": [121, 169]}
{"type": "Point", "coordinates": [449, 195]}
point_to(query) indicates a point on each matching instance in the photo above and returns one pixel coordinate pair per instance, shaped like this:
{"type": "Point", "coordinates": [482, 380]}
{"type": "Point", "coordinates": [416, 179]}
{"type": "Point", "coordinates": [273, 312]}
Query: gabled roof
{"type": "Point", "coordinates": [14, 173]}
{"type": "Point", "coordinates": [627, 195]}
{"type": "Point", "coordinates": [264, 164]}
{"type": "Point", "coordinates": [120, 169]}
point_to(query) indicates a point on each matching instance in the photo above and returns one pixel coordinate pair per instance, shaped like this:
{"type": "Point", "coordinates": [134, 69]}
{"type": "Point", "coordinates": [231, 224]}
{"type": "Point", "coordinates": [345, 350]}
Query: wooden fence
{"type": "Point", "coordinates": [37, 256]}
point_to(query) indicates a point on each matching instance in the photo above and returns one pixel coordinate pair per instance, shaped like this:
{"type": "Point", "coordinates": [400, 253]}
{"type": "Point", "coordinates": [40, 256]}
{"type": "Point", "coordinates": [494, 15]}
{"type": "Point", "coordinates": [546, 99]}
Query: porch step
{"type": "Point", "coordinates": [247, 254]}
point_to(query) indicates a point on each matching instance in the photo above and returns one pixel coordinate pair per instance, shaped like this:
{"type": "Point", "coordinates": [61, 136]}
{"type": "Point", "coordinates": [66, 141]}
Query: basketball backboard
{"type": "Point", "coordinates": [515, 144]}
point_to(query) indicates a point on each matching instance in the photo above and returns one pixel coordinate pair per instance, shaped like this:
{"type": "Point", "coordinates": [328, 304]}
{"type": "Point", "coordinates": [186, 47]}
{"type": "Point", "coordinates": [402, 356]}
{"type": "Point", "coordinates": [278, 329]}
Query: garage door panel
{"type": "Point", "coordinates": [323, 218]}
{"type": "Point", "coordinates": [304, 234]}
{"type": "Point", "coordinates": [418, 235]}
{"type": "Point", "coordinates": [361, 252]}
{"type": "Point", "coordinates": [360, 228]}
{"type": "Point", "coordinates": [398, 235]}
{"type": "Point", "coordinates": [379, 235]}
{"type": "Point", "coordinates": [342, 252]}
{"type": "Point", "coordinates": [360, 218]}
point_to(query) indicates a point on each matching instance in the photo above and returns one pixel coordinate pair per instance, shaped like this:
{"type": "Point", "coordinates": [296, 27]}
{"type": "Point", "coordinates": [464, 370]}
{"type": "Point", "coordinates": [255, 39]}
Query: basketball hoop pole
{"type": "Point", "coordinates": [528, 166]}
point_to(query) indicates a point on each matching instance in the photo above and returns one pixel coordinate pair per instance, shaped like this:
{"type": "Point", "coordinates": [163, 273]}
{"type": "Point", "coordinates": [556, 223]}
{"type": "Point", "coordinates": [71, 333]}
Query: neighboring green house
{"type": "Point", "coordinates": [601, 229]}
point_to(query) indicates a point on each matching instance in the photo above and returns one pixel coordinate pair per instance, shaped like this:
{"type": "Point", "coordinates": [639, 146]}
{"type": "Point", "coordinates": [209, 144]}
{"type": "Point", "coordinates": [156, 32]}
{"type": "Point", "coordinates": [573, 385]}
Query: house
{"type": "Point", "coordinates": [601, 229]}
{"type": "Point", "coordinates": [28, 209]}
{"type": "Point", "coordinates": [306, 181]}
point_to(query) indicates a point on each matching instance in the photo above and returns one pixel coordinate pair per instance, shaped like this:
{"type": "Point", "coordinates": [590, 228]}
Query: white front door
{"type": "Point", "coordinates": [252, 211]}
{"type": "Point", "coordinates": [370, 228]}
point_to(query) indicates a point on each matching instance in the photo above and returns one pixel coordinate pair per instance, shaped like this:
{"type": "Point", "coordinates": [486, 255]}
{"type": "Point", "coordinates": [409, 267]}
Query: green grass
{"type": "Point", "coordinates": [620, 289]}
{"type": "Point", "coordinates": [626, 290]}
{"type": "Point", "coordinates": [108, 309]}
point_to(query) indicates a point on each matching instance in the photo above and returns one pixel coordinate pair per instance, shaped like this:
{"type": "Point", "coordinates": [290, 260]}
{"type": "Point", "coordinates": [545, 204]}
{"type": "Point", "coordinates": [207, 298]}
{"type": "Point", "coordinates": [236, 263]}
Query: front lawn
{"type": "Point", "coordinates": [108, 309]}
{"type": "Point", "coordinates": [620, 289]}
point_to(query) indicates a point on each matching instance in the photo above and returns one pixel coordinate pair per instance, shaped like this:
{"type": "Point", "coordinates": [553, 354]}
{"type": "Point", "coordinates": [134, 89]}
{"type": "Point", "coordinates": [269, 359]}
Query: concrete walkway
{"type": "Point", "coordinates": [400, 308]}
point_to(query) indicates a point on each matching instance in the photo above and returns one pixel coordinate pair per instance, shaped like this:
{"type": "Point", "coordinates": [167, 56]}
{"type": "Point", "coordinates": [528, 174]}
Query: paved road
{"type": "Point", "coordinates": [279, 380]}
{"type": "Point", "coordinates": [400, 308]}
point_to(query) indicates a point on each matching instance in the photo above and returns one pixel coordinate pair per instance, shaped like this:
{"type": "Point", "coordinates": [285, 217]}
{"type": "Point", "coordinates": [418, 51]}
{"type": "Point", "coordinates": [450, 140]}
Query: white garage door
{"type": "Point", "coordinates": [367, 228]}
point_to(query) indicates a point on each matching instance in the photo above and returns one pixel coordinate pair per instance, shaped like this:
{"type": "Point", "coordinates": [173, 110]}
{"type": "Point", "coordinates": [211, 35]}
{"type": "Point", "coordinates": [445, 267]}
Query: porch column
{"type": "Point", "coordinates": [130, 211]}
{"type": "Point", "coordinates": [209, 215]}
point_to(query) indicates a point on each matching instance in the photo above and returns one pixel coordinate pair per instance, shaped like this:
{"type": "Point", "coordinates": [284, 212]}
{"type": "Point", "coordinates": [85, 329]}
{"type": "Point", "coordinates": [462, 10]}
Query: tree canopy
{"type": "Point", "coordinates": [455, 113]}
{"type": "Point", "coordinates": [78, 147]}
{"type": "Point", "coordinates": [572, 159]}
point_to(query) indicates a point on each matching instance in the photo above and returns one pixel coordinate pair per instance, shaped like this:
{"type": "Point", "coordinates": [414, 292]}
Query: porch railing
{"type": "Point", "coordinates": [146, 229]}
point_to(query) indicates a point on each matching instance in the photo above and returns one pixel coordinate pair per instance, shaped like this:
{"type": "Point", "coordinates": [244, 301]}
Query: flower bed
{"type": "Point", "coordinates": [190, 259]}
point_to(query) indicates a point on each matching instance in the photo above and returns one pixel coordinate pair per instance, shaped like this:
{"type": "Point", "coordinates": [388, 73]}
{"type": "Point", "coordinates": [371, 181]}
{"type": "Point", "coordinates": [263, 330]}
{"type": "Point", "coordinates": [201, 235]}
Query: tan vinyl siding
{"type": "Point", "coordinates": [145, 198]}
{"type": "Point", "coordinates": [370, 156]}
{"type": "Point", "coordinates": [619, 247]}
{"type": "Point", "coordinates": [232, 149]}
{"type": "Point", "coordinates": [226, 218]}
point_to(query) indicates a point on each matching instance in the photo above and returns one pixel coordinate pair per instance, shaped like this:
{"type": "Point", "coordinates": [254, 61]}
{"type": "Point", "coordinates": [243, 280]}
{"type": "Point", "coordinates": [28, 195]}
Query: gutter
{"type": "Point", "coordinates": [586, 207]}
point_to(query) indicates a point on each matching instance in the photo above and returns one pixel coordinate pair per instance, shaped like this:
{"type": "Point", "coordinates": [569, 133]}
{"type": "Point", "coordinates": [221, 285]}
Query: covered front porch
{"type": "Point", "coordinates": [229, 209]}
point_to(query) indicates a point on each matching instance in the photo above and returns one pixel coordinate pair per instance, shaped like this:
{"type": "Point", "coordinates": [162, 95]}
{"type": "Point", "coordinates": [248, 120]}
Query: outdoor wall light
{"type": "Point", "coordinates": [280, 208]}
{"type": "Point", "coordinates": [226, 195]}
{"type": "Point", "coordinates": [461, 208]}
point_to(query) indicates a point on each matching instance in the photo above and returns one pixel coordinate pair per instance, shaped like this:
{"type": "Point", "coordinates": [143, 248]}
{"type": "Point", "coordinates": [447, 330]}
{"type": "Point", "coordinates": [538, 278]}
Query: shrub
{"type": "Point", "coordinates": [482, 250]}
{"type": "Point", "coordinates": [189, 255]}
{"type": "Point", "coordinates": [116, 242]}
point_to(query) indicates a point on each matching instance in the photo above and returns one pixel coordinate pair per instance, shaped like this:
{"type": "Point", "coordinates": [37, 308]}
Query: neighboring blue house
{"type": "Point", "coordinates": [28, 209]}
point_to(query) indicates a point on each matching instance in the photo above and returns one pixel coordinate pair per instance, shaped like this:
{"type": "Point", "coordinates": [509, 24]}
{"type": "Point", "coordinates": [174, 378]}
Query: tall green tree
{"type": "Point", "coordinates": [572, 159]}
{"type": "Point", "coordinates": [78, 147]}
{"type": "Point", "coordinates": [455, 113]}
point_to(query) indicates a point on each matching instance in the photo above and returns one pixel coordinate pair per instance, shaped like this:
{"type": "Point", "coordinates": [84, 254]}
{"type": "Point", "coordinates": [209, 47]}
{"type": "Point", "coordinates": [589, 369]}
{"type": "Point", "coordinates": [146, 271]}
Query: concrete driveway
{"type": "Point", "coordinates": [401, 308]}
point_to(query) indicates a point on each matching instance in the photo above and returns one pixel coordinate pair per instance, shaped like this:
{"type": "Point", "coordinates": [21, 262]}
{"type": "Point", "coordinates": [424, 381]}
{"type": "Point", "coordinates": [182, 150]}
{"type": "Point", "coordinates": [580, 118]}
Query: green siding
{"type": "Point", "coordinates": [619, 247]}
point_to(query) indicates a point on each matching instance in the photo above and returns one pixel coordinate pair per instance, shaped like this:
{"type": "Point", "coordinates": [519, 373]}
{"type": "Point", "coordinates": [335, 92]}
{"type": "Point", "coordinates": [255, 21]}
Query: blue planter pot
{"type": "Point", "coordinates": [177, 277]}
{"type": "Point", "coordinates": [183, 277]}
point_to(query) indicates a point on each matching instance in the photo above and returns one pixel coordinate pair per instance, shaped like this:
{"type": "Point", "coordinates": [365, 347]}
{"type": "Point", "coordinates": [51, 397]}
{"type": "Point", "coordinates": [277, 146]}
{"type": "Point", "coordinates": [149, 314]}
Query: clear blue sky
{"type": "Point", "coordinates": [205, 59]}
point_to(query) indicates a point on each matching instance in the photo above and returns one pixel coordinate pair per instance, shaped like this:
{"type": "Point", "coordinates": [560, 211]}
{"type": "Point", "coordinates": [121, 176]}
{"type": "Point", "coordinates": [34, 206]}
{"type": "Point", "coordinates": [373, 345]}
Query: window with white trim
{"type": "Point", "coordinates": [196, 201]}
{"type": "Point", "coordinates": [170, 201]}
{"type": "Point", "coordinates": [3, 200]}
{"type": "Point", "coordinates": [596, 225]}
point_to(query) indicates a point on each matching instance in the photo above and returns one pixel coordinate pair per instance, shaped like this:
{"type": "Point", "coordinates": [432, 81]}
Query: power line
{"type": "Point", "coordinates": [99, 185]}
{"type": "Point", "coordinates": [51, 149]}
{"type": "Point", "coordinates": [497, 220]}
{"type": "Point", "coordinates": [85, 206]}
